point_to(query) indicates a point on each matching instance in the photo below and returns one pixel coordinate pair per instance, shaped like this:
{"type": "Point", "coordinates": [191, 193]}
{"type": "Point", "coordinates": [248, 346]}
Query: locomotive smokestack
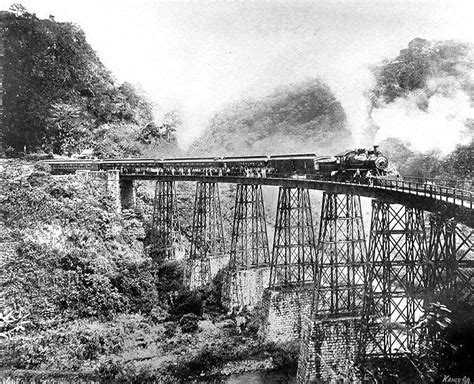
{"type": "Point", "coordinates": [376, 148]}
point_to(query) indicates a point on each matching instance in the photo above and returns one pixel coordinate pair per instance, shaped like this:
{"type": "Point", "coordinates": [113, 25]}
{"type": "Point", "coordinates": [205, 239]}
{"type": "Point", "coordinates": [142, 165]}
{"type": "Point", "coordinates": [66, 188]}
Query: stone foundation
{"type": "Point", "coordinates": [284, 309]}
{"type": "Point", "coordinates": [245, 288]}
{"type": "Point", "coordinates": [329, 348]}
{"type": "Point", "coordinates": [128, 196]}
{"type": "Point", "coordinates": [193, 277]}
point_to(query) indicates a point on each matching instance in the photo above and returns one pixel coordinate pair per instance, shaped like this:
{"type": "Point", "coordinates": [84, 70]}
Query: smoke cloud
{"type": "Point", "coordinates": [440, 114]}
{"type": "Point", "coordinates": [426, 123]}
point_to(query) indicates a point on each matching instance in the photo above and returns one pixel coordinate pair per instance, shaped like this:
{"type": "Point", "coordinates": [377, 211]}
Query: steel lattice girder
{"type": "Point", "coordinates": [293, 256]}
{"type": "Point", "coordinates": [341, 257]}
{"type": "Point", "coordinates": [165, 229]}
{"type": "Point", "coordinates": [396, 289]}
{"type": "Point", "coordinates": [450, 260]}
{"type": "Point", "coordinates": [249, 244]}
{"type": "Point", "coordinates": [207, 234]}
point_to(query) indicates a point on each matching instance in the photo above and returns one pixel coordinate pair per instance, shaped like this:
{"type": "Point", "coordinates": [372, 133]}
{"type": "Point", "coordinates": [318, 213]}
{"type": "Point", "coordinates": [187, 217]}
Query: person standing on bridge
{"type": "Point", "coordinates": [357, 176]}
{"type": "Point", "coordinates": [370, 178]}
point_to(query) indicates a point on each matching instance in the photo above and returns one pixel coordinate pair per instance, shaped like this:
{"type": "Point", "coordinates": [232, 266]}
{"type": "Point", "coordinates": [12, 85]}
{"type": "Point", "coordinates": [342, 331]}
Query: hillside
{"type": "Point", "coordinates": [59, 97]}
{"type": "Point", "coordinates": [305, 117]}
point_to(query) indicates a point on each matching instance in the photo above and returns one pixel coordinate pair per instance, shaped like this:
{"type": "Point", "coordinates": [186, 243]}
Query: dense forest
{"type": "Point", "coordinates": [59, 98]}
{"type": "Point", "coordinates": [303, 117]}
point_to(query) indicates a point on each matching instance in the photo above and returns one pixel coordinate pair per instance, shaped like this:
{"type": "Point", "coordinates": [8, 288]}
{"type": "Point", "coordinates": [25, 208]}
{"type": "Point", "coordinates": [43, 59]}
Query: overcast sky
{"type": "Point", "coordinates": [200, 55]}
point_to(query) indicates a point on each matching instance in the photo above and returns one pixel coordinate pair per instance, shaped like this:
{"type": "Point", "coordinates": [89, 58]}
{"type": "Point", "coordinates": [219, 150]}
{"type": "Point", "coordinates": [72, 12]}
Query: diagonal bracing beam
{"type": "Point", "coordinates": [397, 285]}
{"type": "Point", "coordinates": [207, 235]}
{"type": "Point", "coordinates": [293, 257]}
{"type": "Point", "coordinates": [450, 267]}
{"type": "Point", "coordinates": [165, 229]}
{"type": "Point", "coordinates": [249, 263]}
{"type": "Point", "coordinates": [249, 244]}
{"type": "Point", "coordinates": [331, 335]}
{"type": "Point", "coordinates": [342, 256]}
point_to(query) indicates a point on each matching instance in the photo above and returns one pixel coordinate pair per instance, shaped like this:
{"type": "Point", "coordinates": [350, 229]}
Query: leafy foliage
{"type": "Point", "coordinates": [414, 66]}
{"type": "Point", "coordinates": [189, 323]}
{"type": "Point", "coordinates": [74, 257]}
{"type": "Point", "coordinates": [60, 98]}
{"type": "Point", "coordinates": [456, 165]}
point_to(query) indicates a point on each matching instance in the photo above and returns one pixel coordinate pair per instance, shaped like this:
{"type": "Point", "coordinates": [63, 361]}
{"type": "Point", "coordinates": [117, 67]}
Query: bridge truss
{"type": "Point", "coordinates": [294, 248]}
{"type": "Point", "coordinates": [207, 234]}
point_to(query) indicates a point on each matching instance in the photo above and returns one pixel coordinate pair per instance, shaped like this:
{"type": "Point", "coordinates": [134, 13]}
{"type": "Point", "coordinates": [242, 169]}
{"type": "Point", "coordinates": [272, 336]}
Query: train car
{"type": "Point", "coordinates": [191, 165]}
{"type": "Point", "coordinates": [68, 166]}
{"type": "Point", "coordinates": [295, 164]}
{"type": "Point", "coordinates": [244, 165]}
{"type": "Point", "coordinates": [129, 165]}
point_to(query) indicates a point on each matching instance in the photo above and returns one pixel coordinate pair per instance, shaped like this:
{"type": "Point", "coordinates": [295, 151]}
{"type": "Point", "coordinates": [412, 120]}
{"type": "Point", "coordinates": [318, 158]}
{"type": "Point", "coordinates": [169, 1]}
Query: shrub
{"type": "Point", "coordinates": [189, 323]}
{"type": "Point", "coordinates": [207, 359]}
{"type": "Point", "coordinates": [187, 302]}
{"type": "Point", "coordinates": [117, 372]}
{"type": "Point", "coordinates": [65, 347]}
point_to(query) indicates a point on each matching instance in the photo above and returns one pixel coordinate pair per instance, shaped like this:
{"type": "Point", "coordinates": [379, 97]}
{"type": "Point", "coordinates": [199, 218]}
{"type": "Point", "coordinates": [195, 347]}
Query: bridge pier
{"type": "Point", "coordinates": [207, 240]}
{"type": "Point", "coordinates": [292, 269]}
{"type": "Point", "coordinates": [330, 339]}
{"type": "Point", "coordinates": [249, 265]}
{"type": "Point", "coordinates": [450, 254]}
{"type": "Point", "coordinates": [397, 290]}
{"type": "Point", "coordinates": [164, 229]}
{"type": "Point", "coordinates": [128, 197]}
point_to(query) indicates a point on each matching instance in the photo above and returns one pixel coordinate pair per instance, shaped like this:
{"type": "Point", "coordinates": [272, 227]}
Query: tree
{"type": "Point", "coordinates": [171, 122]}
{"type": "Point", "coordinates": [58, 95]}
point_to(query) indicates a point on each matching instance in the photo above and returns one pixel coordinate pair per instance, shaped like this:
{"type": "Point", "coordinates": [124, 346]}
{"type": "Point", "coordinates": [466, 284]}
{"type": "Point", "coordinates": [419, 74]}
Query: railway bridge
{"type": "Point", "coordinates": [345, 294]}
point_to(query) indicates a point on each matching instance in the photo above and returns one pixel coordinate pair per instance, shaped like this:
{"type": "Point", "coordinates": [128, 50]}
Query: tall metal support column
{"type": "Point", "coordinates": [293, 267]}
{"type": "Point", "coordinates": [450, 260]}
{"type": "Point", "coordinates": [342, 257]}
{"type": "Point", "coordinates": [397, 291]}
{"type": "Point", "coordinates": [331, 335]}
{"type": "Point", "coordinates": [207, 236]}
{"type": "Point", "coordinates": [293, 256]}
{"type": "Point", "coordinates": [249, 254]}
{"type": "Point", "coordinates": [165, 229]}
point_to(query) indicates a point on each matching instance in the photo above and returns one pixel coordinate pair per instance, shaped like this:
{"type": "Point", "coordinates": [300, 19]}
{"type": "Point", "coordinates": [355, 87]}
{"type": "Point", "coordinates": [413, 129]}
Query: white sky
{"type": "Point", "coordinates": [200, 55]}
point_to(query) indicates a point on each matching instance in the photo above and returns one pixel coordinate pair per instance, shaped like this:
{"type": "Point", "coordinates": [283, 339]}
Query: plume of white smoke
{"type": "Point", "coordinates": [350, 84]}
{"type": "Point", "coordinates": [434, 117]}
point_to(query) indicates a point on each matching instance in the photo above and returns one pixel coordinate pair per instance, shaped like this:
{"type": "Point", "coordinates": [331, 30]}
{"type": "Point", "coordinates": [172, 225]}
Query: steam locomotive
{"type": "Point", "coordinates": [347, 165]}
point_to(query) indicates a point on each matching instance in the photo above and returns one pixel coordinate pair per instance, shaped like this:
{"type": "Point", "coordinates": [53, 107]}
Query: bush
{"type": "Point", "coordinates": [207, 359]}
{"type": "Point", "coordinates": [74, 256]}
{"type": "Point", "coordinates": [187, 302]}
{"type": "Point", "coordinates": [189, 323]}
{"type": "Point", "coordinates": [285, 356]}
{"type": "Point", "coordinates": [64, 347]}
{"type": "Point", "coordinates": [116, 372]}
